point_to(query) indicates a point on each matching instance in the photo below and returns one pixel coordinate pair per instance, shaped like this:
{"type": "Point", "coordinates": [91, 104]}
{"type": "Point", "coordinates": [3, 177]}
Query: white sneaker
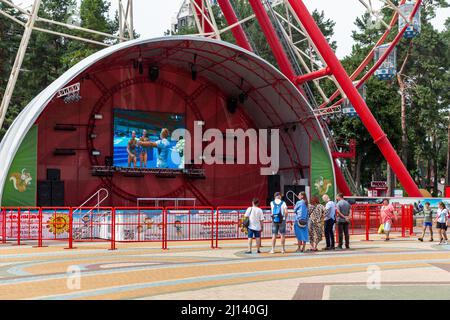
{"type": "Point", "coordinates": [272, 251]}
{"type": "Point", "coordinates": [283, 252]}
{"type": "Point", "coordinates": [445, 242]}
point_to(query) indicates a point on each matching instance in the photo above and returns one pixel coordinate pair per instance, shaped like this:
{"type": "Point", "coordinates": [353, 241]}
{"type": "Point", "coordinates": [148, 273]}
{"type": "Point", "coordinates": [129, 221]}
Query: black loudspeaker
{"type": "Point", "coordinates": [153, 73]}
{"type": "Point", "coordinates": [53, 174]}
{"type": "Point", "coordinates": [57, 193]}
{"type": "Point", "coordinates": [232, 104]}
{"type": "Point", "coordinates": [109, 161]}
{"type": "Point", "coordinates": [273, 185]}
{"type": "Point", "coordinates": [44, 193]}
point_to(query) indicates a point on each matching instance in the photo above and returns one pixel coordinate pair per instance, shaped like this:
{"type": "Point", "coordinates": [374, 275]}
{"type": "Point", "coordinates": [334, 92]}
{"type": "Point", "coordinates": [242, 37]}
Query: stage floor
{"type": "Point", "coordinates": [399, 269]}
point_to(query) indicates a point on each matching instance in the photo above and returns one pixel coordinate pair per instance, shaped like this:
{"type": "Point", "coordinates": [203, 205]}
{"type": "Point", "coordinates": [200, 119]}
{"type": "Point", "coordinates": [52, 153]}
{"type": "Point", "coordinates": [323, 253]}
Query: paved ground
{"type": "Point", "coordinates": [399, 269]}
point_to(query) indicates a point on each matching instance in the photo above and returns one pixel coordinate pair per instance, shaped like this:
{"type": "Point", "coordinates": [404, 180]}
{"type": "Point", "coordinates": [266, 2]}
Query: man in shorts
{"type": "Point", "coordinates": [256, 225]}
{"type": "Point", "coordinates": [279, 215]}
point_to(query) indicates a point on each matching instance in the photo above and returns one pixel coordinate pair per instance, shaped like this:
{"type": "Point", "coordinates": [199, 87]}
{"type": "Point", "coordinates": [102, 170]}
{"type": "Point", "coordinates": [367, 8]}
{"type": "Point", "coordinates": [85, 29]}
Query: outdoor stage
{"type": "Point", "coordinates": [194, 271]}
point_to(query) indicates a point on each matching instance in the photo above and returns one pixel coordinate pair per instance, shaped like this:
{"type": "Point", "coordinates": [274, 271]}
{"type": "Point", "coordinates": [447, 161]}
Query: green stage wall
{"type": "Point", "coordinates": [20, 184]}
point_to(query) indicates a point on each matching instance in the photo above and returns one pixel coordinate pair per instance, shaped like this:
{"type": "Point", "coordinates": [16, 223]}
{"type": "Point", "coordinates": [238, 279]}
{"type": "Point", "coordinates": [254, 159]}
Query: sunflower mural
{"type": "Point", "coordinates": [58, 223]}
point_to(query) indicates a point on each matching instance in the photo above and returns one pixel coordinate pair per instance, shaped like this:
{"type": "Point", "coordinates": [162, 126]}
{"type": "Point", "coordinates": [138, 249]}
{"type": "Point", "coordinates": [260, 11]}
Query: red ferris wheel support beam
{"type": "Point", "coordinates": [354, 97]}
{"type": "Point", "coordinates": [238, 32]}
{"type": "Point", "coordinates": [272, 39]}
{"type": "Point", "coordinates": [201, 16]}
{"type": "Point", "coordinates": [287, 69]}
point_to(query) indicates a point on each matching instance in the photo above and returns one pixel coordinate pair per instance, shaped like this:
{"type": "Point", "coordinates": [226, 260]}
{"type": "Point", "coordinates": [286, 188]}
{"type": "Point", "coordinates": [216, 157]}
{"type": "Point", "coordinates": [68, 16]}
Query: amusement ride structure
{"type": "Point", "coordinates": [287, 25]}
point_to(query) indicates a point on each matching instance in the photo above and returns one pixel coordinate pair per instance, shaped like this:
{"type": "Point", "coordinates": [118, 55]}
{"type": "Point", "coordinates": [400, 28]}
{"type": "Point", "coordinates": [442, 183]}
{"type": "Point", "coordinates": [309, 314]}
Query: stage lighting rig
{"type": "Point", "coordinates": [71, 94]}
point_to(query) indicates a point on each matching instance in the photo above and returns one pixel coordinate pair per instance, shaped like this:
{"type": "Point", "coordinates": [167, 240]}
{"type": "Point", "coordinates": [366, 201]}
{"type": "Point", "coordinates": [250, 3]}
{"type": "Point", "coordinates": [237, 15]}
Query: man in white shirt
{"type": "Point", "coordinates": [256, 225]}
{"type": "Point", "coordinates": [279, 215]}
{"type": "Point", "coordinates": [330, 218]}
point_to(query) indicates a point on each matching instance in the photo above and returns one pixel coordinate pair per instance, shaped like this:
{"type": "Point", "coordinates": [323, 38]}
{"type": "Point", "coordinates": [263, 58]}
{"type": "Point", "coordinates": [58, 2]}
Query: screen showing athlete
{"type": "Point", "coordinates": [143, 153]}
{"type": "Point", "coordinates": [132, 150]}
{"type": "Point", "coordinates": [163, 146]}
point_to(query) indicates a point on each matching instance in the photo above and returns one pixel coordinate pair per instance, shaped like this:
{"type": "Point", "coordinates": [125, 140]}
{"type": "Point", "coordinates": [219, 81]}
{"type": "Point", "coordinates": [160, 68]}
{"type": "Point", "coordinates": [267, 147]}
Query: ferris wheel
{"type": "Point", "coordinates": [304, 56]}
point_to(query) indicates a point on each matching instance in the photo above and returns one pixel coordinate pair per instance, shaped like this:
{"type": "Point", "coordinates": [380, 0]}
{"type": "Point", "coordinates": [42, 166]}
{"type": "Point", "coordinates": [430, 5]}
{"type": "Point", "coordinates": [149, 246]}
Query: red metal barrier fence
{"type": "Point", "coordinates": [164, 225]}
{"type": "Point", "coordinates": [229, 224]}
{"type": "Point", "coordinates": [366, 219]}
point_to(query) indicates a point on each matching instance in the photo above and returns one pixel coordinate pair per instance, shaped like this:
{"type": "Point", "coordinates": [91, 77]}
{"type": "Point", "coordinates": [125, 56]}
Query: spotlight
{"type": "Point", "coordinates": [98, 116]}
{"type": "Point", "coordinates": [93, 135]}
{"type": "Point", "coordinates": [153, 73]}
{"type": "Point", "coordinates": [95, 153]}
{"type": "Point", "coordinates": [194, 72]}
{"type": "Point", "coordinates": [242, 97]}
{"type": "Point", "coordinates": [232, 104]}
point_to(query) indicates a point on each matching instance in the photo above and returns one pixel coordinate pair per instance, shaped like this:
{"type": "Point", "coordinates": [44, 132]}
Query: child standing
{"type": "Point", "coordinates": [441, 222]}
{"type": "Point", "coordinates": [427, 221]}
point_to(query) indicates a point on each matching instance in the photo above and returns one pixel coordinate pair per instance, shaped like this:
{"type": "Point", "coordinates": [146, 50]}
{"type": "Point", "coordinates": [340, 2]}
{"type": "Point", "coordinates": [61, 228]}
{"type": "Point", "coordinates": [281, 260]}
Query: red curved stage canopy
{"type": "Point", "coordinates": [189, 76]}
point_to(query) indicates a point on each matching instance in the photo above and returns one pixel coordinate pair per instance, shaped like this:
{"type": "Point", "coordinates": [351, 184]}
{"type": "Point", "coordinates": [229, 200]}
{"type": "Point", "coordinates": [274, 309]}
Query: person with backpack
{"type": "Point", "coordinates": [343, 220]}
{"type": "Point", "coordinates": [255, 225]}
{"type": "Point", "coordinates": [330, 216]}
{"type": "Point", "coordinates": [279, 214]}
{"type": "Point", "coordinates": [301, 221]}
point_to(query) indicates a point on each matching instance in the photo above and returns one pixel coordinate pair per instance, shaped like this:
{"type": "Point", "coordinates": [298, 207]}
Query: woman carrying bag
{"type": "Point", "coordinates": [301, 221]}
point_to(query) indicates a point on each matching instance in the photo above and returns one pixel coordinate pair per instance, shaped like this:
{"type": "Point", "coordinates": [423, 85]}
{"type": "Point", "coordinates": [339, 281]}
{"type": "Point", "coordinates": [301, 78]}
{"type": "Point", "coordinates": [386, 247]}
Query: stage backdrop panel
{"type": "Point", "coordinates": [321, 171]}
{"type": "Point", "coordinates": [20, 185]}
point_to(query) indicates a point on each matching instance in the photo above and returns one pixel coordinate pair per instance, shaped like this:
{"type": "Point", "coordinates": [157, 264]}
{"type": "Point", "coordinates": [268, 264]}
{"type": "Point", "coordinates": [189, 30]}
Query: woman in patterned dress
{"type": "Point", "coordinates": [316, 216]}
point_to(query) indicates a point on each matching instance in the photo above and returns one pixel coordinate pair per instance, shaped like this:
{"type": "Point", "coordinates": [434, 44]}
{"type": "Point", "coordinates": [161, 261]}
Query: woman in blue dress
{"type": "Point", "coordinates": [301, 221]}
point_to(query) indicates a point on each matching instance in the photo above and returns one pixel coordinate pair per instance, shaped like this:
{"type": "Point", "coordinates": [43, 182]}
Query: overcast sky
{"type": "Point", "coordinates": [153, 17]}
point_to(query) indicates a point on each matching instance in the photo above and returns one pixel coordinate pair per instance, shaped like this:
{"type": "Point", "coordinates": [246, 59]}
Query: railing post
{"type": "Point", "coordinates": [18, 226]}
{"type": "Point", "coordinates": [403, 221]}
{"type": "Point", "coordinates": [113, 229]}
{"type": "Point", "coordinates": [212, 228]}
{"type": "Point", "coordinates": [217, 228]}
{"type": "Point", "coordinates": [40, 228]}
{"type": "Point", "coordinates": [367, 222]}
{"type": "Point", "coordinates": [4, 225]}
{"type": "Point", "coordinates": [164, 229]}
{"type": "Point", "coordinates": [411, 215]}
{"type": "Point", "coordinates": [70, 229]}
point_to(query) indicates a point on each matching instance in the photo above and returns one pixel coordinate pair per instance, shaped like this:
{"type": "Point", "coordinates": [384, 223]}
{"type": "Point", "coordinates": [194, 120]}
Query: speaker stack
{"type": "Point", "coordinates": [50, 192]}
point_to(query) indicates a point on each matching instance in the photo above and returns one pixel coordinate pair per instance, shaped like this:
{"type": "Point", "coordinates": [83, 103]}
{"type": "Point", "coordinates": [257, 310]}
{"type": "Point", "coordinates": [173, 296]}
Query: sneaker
{"type": "Point", "coordinates": [347, 247]}
{"type": "Point", "coordinates": [431, 240]}
{"type": "Point", "coordinates": [339, 248]}
{"type": "Point", "coordinates": [259, 251]}
{"type": "Point", "coordinates": [272, 251]}
{"type": "Point", "coordinates": [445, 242]}
{"type": "Point", "coordinates": [283, 251]}
{"type": "Point", "coordinates": [248, 252]}
{"type": "Point", "coordinates": [420, 239]}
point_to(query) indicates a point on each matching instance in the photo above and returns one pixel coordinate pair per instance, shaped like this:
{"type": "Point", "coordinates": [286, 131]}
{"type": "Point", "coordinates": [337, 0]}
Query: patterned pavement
{"type": "Point", "coordinates": [399, 269]}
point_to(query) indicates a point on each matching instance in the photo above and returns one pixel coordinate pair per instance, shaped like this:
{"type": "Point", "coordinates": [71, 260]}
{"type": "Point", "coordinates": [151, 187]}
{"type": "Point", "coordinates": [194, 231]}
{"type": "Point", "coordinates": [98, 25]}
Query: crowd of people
{"type": "Point", "coordinates": [312, 221]}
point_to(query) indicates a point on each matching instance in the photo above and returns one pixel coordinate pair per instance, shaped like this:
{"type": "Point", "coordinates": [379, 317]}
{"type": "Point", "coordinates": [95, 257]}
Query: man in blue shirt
{"type": "Point", "coordinates": [330, 217]}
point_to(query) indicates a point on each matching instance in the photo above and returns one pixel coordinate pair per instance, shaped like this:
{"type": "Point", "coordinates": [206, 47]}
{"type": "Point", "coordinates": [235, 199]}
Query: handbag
{"type": "Point", "coordinates": [381, 229]}
{"type": "Point", "coordinates": [246, 222]}
{"type": "Point", "coordinates": [302, 223]}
